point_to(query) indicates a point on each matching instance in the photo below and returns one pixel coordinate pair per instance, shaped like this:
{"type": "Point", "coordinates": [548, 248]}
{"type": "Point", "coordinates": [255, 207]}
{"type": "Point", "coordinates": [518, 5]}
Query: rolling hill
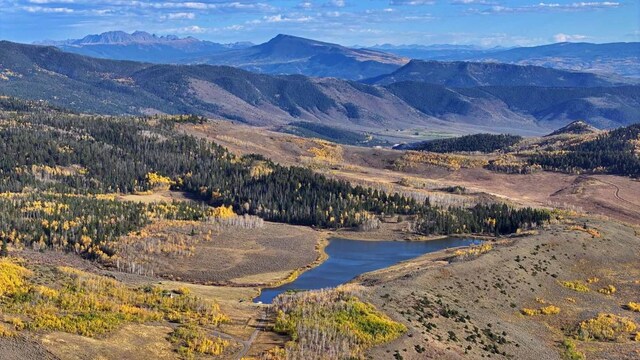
{"type": "Point", "coordinates": [471, 74]}
{"type": "Point", "coordinates": [611, 58]}
{"type": "Point", "coordinates": [123, 87]}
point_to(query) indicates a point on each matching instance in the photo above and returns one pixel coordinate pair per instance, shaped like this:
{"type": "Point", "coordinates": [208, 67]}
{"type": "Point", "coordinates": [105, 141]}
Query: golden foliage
{"type": "Point", "coordinates": [223, 212]}
{"type": "Point", "coordinates": [606, 327]}
{"type": "Point", "coordinates": [550, 310]}
{"type": "Point", "coordinates": [411, 159]}
{"type": "Point", "coordinates": [158, 181]}
{"type": "Point", "coordinates": [545, 310]}
{"type": "Point", "coordinates": [591, 231]}
{"type": "Point", "coordinates": [192, 339]}
{"type": "Point", "coordinates": [633, 306]}
{"type": "Point", "coordinates": [260, 169]}
{"type": "Point", "coordinates": [577, 285]}
{"type": "Point", "coordinates": [529, 312]}
{"type": "Point", "coordinates": [473, 251]}
{"type": "Point", "coordinates": [326, 151]}
{"type": "Point", "coordinates": [4, 332]}
{"type": "Point", "coordinates": [86, 304]}
{"type": "Point", "coordinates": [608, 290]}
{"type": "Point", "coordinates": [347, 323]}
{"type": "Point", "coordinates": [12, 277]}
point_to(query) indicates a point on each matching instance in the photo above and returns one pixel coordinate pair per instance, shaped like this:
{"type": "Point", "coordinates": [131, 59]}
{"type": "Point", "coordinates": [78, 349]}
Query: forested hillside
{"type": "Point", "coordinates": [484, 143]}
{"type": "Point", "coordinates": [61, 172]}
{"type": "Point", "coordinates": [616, 152]}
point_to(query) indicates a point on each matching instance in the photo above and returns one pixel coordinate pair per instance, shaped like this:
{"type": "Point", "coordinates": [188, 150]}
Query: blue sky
{"type": "Point", "coordinates": [348, 22]}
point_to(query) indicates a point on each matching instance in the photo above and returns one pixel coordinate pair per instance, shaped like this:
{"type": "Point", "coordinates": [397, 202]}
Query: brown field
{"type": "Point", "coordinates": [209, 254]}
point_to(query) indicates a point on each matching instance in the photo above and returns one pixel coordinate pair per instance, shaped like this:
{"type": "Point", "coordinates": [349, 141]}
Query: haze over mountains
{"type": "Point", "coordinates": [124, 87]}
{"type": "Point", "coordinates": [286, 54]}
{"type": "Point", "coordinates": [142, 46]}
{"type": "Point", "coordinates": [470, 74]}
{"type": "Point", "coordinates": [612, 58]}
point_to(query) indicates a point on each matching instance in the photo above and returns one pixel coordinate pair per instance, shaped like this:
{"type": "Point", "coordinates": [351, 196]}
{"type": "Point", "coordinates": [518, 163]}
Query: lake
{"type": "Point", "coordinates": [350, 258]}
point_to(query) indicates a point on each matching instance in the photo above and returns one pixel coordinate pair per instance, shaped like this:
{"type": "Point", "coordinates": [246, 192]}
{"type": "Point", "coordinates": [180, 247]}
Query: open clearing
{"type": "Point", "coordinates": [210, 254]}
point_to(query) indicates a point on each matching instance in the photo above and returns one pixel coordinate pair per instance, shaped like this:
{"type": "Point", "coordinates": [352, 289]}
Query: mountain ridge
{"type": "Point", "coordinates": [124, 87]}
{"type": "Point", "coordinates": [471, 74]}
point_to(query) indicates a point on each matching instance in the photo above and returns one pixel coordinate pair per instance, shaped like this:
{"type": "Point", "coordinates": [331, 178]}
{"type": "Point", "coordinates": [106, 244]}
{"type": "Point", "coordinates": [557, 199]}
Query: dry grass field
{"type": "Point", "coordinates": [477, 308]}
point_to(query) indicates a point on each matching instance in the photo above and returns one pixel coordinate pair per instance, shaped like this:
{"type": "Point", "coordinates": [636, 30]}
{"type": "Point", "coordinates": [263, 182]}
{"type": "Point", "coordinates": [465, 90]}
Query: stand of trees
{"type": "Point", "coordinates": [484, 143]}
{"type": "Point", "coordinates": [612, 153]}
{"type": "Point", "coordinates": [52, 152]}
{"type": "Point", "coordinates": [494, 219]}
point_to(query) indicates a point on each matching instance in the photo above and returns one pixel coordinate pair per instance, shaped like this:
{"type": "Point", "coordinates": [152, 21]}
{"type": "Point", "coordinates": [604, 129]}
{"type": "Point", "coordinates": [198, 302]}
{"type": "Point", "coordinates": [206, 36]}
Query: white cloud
{"type": "Point", "coordinates": [181, 16]}
{"type": "Point", "coordinates": [541, 7]}
{"type": "Point", "coordinates": [411, 2]}
{"type": "Point", "coordinates": [560, 37]}
{"type": "Point", "coordinates": [280, 18]}
{"type": "Point", "coordinates": [42, 9]}
{"type": "Point", "coordinates": [193, 29]}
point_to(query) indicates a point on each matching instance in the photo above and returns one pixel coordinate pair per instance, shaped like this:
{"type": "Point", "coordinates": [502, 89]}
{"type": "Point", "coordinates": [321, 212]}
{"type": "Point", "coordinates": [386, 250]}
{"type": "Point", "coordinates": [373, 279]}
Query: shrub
{"type": "Point", "coordinates": [633, 306]}
{"type": "Point", "coordinates": [473, 251]}
{"type": "Point", "coordinates": [606, 327]}
{"type": "Point", "coordinates": [608, 290]}
{"type": "Point", "coordinates": [546, 310]}
{"type": "Point", "coordinates": [570, 351]}
{"type": "Point", "coordinates": [529, 312]}
{"type": "Point", "coordinates": [550, 310]}
{"type": "Point", "coordinates": [81, 303]}
{"type": "Point", "coordinates": [4, 332]}
{"type": "Point", "coordinates": [12, 277]}
{"type": "Point", "coordinates": [577, 285]}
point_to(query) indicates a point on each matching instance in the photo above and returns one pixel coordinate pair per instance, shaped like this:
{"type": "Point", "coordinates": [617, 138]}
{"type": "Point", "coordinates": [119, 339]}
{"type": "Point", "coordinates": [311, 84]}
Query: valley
{"type": "Point", "coordinates": [226, 258]}
{"type": "Point", "coordinates": [167, 197]}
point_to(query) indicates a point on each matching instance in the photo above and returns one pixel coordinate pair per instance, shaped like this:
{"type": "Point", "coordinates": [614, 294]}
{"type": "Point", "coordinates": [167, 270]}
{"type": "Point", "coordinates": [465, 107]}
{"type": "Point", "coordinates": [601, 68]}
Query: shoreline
{"type": "Point", "coordinates": [322, 243]}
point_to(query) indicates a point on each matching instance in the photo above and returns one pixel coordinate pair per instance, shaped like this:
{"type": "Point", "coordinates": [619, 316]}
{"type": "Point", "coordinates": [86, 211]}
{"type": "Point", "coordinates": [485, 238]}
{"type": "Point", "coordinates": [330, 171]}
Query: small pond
{"type": "Point", "coordinates": [350, 258]}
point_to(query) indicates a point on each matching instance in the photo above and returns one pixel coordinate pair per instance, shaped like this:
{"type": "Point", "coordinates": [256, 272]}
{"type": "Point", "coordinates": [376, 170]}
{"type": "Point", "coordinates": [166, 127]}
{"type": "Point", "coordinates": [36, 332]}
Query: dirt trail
{"type": "Point", "coordinates": [617, 194]}
{"type": "Point", "coordinates": [246, 344]}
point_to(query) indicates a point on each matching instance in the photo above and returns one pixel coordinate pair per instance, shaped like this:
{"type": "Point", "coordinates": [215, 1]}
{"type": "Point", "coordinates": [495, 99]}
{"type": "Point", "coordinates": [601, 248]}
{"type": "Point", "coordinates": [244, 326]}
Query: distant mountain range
{"type": "Point", "coordinates": [142, 46]}
{"type": "Point", "coordinates": [283, 54]}
{"type": "Point", "coordinates": [472, 74]}
{"type": "Point", "coordinates": [124, 87]}
{"type": "Point", "coordinates": [612, 58]}
{"type": "Point", "coordinates": [286, 54]}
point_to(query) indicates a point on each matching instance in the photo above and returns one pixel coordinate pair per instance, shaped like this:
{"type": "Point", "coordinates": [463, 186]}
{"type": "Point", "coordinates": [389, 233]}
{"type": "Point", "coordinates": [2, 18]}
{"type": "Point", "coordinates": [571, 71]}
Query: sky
{"type": "Point", "coordinates": [485, 23]}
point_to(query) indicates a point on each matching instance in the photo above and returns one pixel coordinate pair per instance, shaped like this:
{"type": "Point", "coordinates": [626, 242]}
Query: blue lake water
{"type": "Point", "coordinates": [350, 258]}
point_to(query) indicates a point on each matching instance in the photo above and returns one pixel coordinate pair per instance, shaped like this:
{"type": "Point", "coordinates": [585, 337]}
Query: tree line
{"type": "Point", "coordinates": [615, 152]}
{"type": "Point", "coordinates": [80, 154]}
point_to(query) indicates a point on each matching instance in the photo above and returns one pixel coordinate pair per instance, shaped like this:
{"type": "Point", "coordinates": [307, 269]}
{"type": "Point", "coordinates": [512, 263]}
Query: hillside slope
{"type": "Point", "coordinates": [121, 87]}
{"type": "Point", "coordinates": [610, 58]}
{"type": "Point", "coordinates": [469, 74]}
